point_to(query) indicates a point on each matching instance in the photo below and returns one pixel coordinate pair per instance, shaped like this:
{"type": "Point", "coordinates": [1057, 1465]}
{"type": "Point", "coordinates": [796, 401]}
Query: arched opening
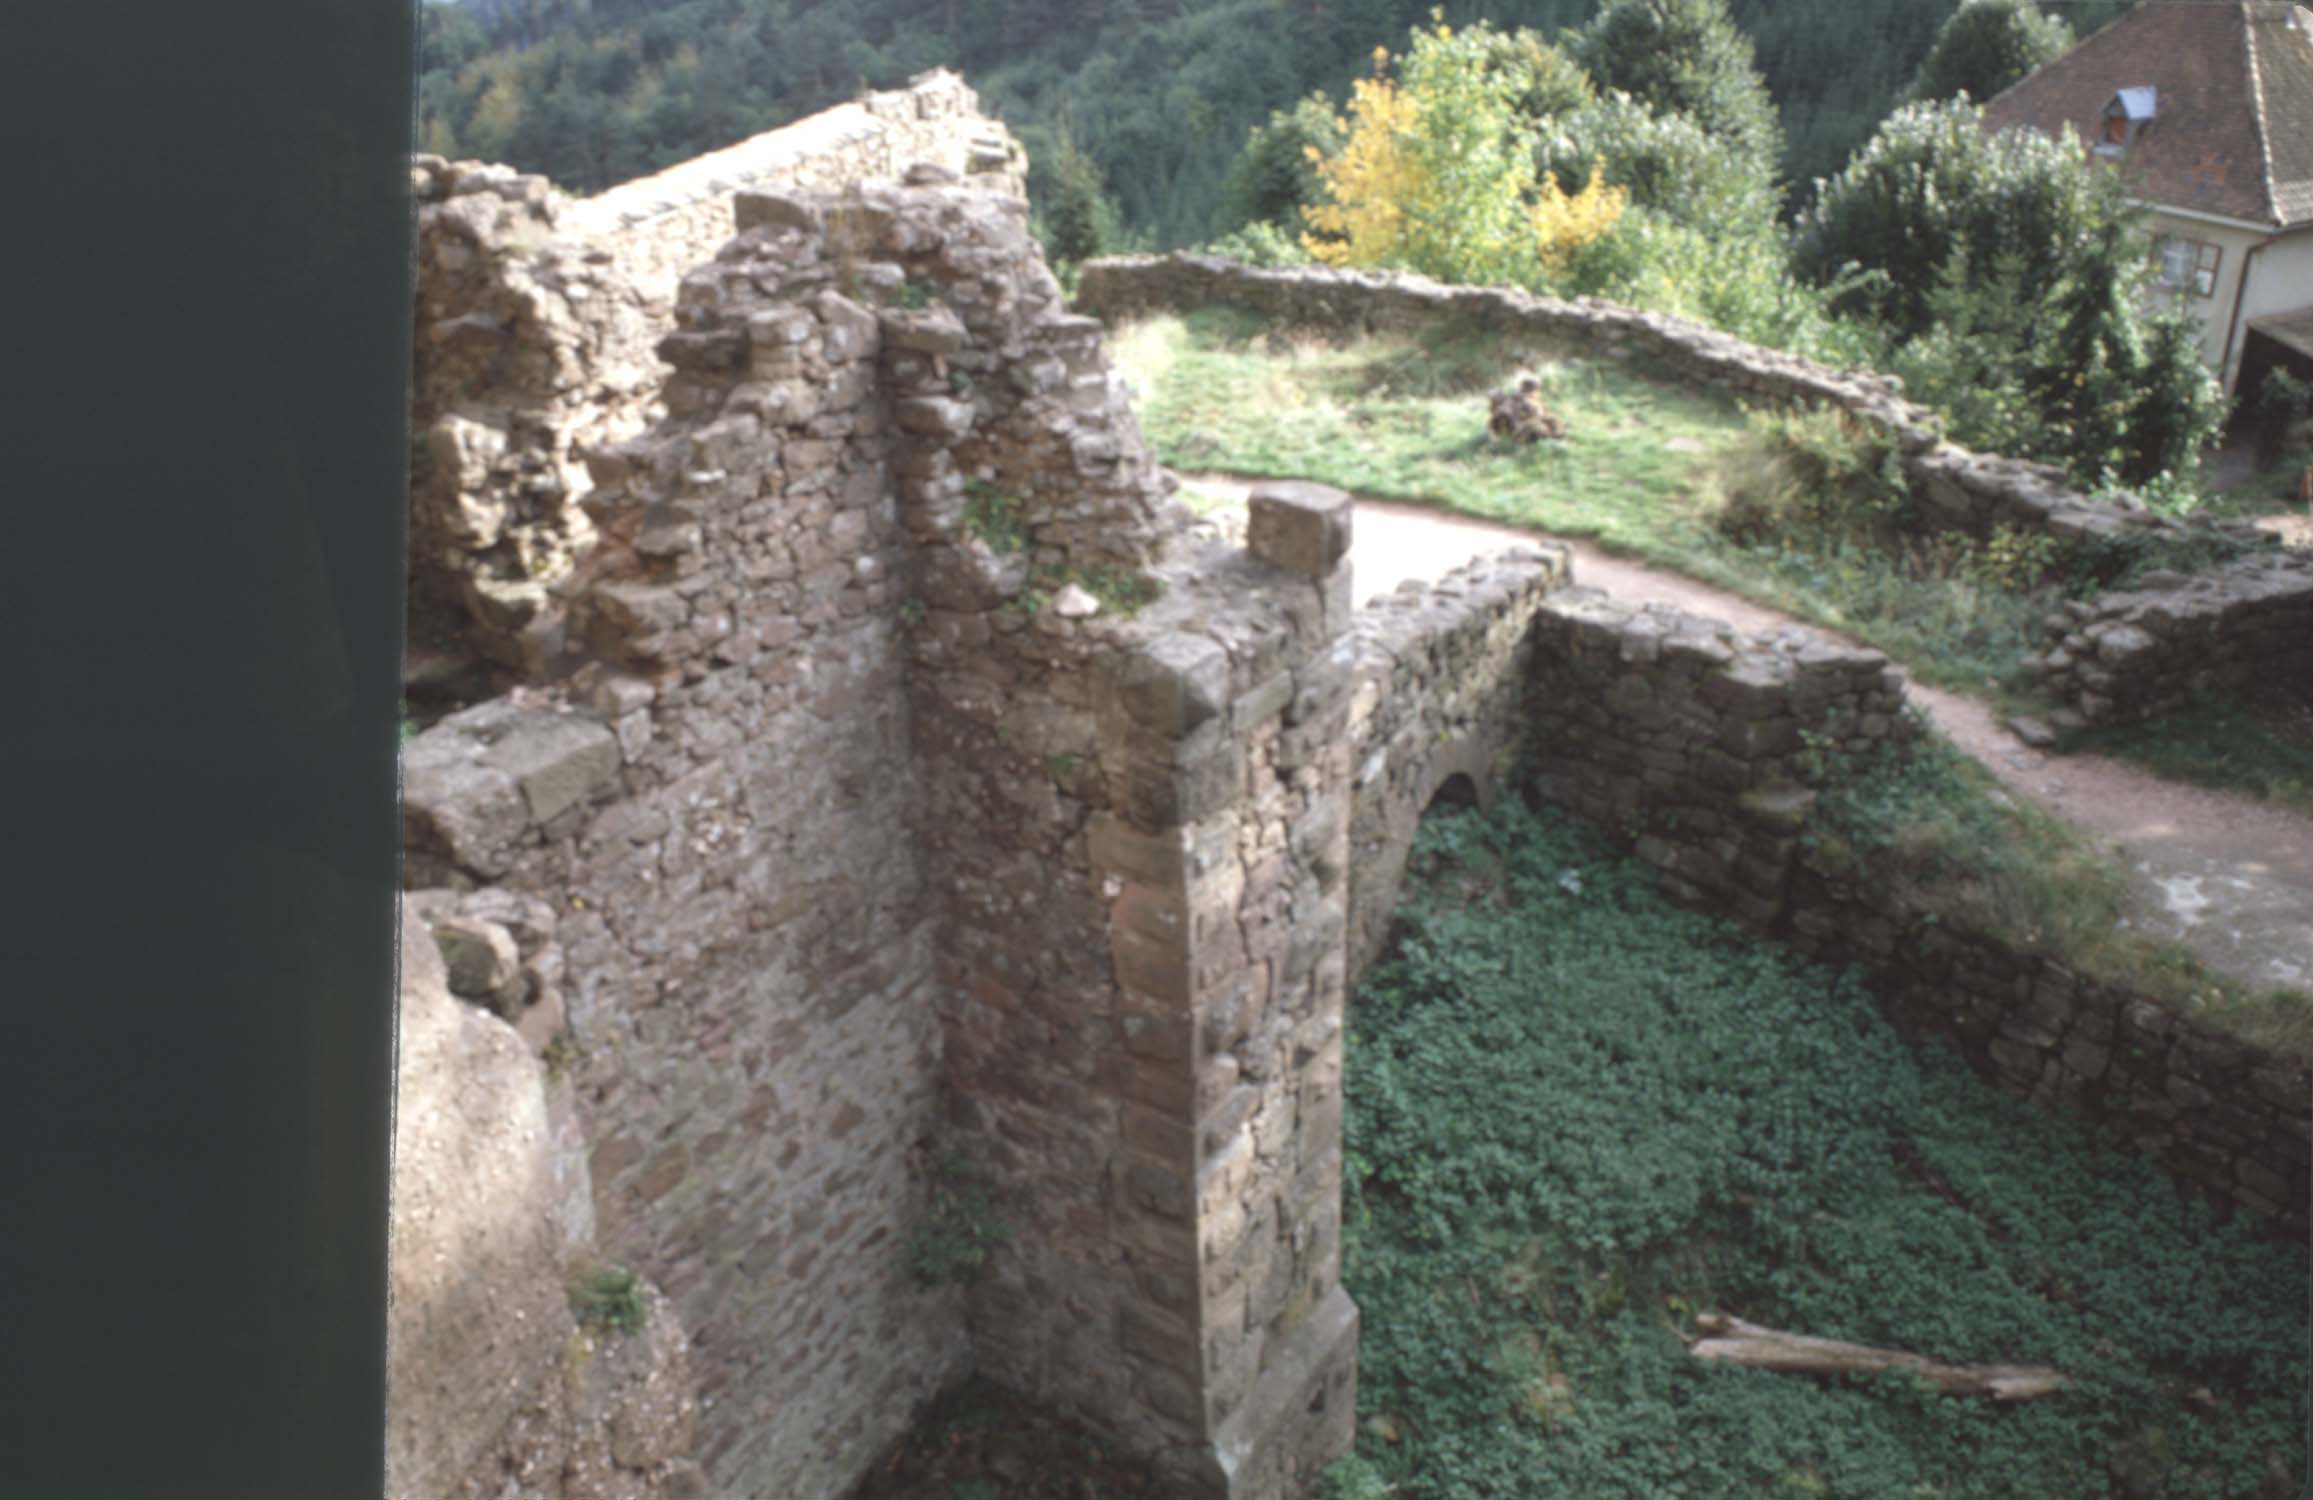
{"type": "Point", "coordinates": [1457, 790]}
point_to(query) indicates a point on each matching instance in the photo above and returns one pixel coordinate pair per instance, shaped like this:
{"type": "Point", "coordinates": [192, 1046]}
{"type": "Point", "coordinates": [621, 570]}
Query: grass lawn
{"type": "Point", "coordinates": [1643, 472]}
{"type": "Point", "coordinates": [1578, 1117]}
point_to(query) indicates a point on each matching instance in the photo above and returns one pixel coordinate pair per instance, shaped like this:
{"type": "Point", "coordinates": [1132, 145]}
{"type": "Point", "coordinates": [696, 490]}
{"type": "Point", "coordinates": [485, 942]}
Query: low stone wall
{"type": "Point", "coordinates": [1971, 492]}
{"type": "Point", "coordinates": [1445, 688]}
{"type": "Point", "coordinates": [536, 321]}
{"type": "Point", "coordinates": [1698, 747]}
{"type": "Point", "coordinates": [2226, 1118]}
{"type": "Point", "coordinates": [2155, 646]}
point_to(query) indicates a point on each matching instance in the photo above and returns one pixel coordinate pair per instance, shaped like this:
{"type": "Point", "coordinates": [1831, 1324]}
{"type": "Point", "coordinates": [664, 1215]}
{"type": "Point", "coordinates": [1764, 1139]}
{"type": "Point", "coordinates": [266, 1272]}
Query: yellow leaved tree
{"type": "Point", "coordinates": [1437, 173]}
{"type": "Point", "coordinates": [1564, 223]}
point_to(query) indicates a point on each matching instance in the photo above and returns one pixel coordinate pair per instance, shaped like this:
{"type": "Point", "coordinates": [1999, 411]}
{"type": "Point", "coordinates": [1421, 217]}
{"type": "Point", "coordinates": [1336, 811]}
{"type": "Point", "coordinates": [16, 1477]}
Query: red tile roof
{"type": "Point", "coordinates": [2234, 131]}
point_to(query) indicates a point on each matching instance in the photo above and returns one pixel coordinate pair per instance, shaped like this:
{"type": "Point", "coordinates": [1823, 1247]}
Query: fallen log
{"type": "Point", "coordinates": [1737, 1342]}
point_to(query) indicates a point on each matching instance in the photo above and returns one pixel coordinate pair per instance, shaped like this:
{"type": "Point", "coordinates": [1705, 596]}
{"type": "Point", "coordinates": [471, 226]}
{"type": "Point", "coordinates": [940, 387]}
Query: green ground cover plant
{"type": "Point", "coordinates": [609, 1299]}
{"type": "Point", "coordinates": [1578, 1116]}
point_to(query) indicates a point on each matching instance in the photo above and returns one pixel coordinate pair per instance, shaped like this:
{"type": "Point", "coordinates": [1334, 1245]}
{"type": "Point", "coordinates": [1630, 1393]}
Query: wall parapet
{"type": "Point", "coordinates": [1964, 490]}
{"type": "Point", "coordinates": [2152, 648]}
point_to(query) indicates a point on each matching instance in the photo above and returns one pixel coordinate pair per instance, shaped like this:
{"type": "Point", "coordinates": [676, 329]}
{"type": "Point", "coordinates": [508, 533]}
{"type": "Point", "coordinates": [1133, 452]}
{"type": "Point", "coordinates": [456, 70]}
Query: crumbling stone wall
{"type": "Point", "coordinates": [536, 320]}
{"type": "Point", "coordinates": [1445, 688]}
{"type": "Point", "coordinates": [1961, 489]}
{"type": "Point", "coordinates": [881, 822]}
{"type": "Point", "coordinates": [2150, 649]}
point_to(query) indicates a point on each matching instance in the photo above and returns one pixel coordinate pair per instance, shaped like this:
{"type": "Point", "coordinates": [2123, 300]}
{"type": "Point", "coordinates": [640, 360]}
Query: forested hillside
{"type": "Point", "coordinates": [1158, 94]}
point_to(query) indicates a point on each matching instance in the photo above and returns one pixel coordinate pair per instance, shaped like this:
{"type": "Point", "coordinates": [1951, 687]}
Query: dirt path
{"type": "Point", "coordinates": [2229, 877]}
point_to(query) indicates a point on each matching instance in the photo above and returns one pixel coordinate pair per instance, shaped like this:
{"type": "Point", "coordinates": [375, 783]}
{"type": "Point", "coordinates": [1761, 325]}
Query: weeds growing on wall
{"type": "Point", "coordinates": [608, 1299]}
{"type": "Point", "coordinates": [993, 518]}
{"type": "Point", "coordinates": [951, 1243]}
{"type": "Point", "coordinates": [1577, 1116]}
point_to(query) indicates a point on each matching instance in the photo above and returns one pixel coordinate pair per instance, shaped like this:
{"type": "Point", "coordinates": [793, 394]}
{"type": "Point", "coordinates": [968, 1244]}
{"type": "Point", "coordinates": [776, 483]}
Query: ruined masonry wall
{"type": "Point", "coordinates": [2152, 648]}
{"type": "Point", "coordinates": [1445, 687]}
{"type": "Point", "coordinates": [536, 319]}
{"type": "Point", "coordinates": [723, 811]}
{"type": "Point", "coordinates": [881, 825]}
{"type": "Point", "coordinates": [1963, 490]}
{"type": "Point", "coordinates": [1694, 745]}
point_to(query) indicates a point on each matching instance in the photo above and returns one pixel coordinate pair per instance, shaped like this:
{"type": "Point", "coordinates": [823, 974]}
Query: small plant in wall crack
{"type": "Point", "coordinates": [993, 517]}
{"type": "Point", "coordinates": [959, 1229]}
{"type": "Point", "coordinates": [608, 1298]}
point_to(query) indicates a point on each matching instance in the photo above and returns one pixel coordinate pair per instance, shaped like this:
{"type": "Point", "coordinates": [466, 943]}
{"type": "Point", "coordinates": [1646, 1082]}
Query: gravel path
{"type": "Point", "coordinates": [2229, 877]}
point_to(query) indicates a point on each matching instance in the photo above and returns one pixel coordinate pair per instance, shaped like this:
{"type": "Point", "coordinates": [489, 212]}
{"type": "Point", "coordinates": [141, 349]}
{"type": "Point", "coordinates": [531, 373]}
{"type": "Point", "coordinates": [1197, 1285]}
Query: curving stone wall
{"type": "Point", "coordinates": [1963, 490]}
{"type": "Point", "coordinates": [536, 321]}
{"type": "Point", "coordinates": [2153, 647]}
{"type": "Point", "coordinates": [1446, 687]}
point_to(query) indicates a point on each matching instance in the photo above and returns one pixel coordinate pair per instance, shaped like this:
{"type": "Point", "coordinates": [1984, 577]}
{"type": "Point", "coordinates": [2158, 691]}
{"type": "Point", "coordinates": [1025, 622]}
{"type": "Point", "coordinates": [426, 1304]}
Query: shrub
{"type": "Point", "coordinates": [1812, 474]}
{"type": "Point", "coordinates": [1686, 58]}
{"type": "Point", "coordinates": [1276, 171]}
{"type": "Point", "coordinates": [2010, 278]}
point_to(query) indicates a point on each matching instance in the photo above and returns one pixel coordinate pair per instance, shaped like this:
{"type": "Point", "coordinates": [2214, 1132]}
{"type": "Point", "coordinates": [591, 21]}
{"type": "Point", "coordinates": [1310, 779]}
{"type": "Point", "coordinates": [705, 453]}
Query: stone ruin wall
{"type": "Point", "coordinates": [1446, 680]}
{"type": "Point", "coordinates": [1961, 490]}
{"type": "Point", "coordinates": [2152, 648]}
{"type": "Point", "coordinates": [873, 826]}
{"type": "Point", "coordinates": [536, 319]}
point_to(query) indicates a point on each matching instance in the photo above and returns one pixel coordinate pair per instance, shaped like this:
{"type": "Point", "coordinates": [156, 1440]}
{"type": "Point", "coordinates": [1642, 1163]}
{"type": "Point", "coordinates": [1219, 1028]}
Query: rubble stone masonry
{"type": "Point", "coordinates": [536, 320]}
{"type": "Point", "coordinates": [2167, 638]}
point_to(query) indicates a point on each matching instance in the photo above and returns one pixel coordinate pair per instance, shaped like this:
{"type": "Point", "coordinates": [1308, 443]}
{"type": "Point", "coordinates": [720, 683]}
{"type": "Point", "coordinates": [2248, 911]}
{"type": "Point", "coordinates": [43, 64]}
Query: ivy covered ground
{"type": "Point", "coordinates": [1579, 1116]}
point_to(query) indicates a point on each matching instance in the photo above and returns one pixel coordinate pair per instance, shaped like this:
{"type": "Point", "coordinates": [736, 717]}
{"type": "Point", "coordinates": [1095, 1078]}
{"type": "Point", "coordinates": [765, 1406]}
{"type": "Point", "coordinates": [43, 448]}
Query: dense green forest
{"type": "Point", "coordinates": [1157, 94]}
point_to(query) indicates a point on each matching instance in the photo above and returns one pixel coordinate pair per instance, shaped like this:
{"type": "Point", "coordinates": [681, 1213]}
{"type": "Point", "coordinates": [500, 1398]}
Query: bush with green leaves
{"type": "Point", "coordinates": [1275, 172]}
{"type": "Point", "coordinates": [608, 1298]}
{"type": "Point", "coordinates": [1075, 217]}
{"type": "Point", "coordinates": [1684, 58]}
{"type": "Point", "coordinates": [1986, 45]}
{"type": "Point", "coordinates": [2008, 278]}
{"type": "Point", "coordinates": [1578, 1116]}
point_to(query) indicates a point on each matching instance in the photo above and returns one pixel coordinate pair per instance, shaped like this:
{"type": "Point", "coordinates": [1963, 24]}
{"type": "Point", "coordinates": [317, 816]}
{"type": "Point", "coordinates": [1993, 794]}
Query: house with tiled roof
{"type": "Point", "coordinates": [2206, 108]}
